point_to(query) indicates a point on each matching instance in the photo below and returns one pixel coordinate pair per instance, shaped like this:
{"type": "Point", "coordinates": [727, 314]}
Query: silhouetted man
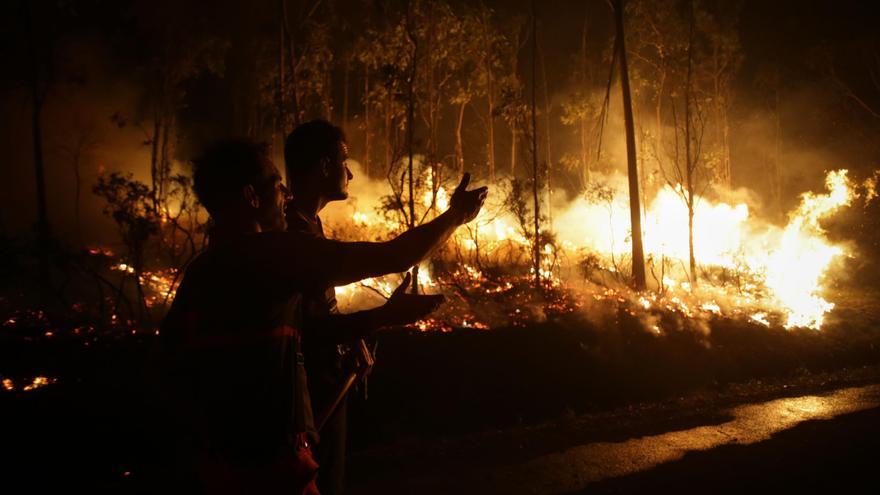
{"type": "Point", "coordinates": [315, 155]}
{"type": "Point", "coordinates": [233, 364]}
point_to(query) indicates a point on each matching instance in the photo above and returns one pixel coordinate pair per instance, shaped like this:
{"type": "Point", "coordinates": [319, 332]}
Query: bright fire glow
{"type": "Point", "coordinates": [745, 266]}
{"type": "Point", "coordinates": [787, 263]}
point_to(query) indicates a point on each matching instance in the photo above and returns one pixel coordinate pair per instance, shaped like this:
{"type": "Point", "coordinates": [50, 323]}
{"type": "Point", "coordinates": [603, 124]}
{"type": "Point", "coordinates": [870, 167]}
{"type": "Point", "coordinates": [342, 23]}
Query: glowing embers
{"type": "Point", "coordinates": [160, 283]}
{"type": "Point", "coordinates": [27, 385]}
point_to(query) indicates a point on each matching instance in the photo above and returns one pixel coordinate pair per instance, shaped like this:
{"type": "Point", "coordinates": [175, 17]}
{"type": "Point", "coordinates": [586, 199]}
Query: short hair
{"type": "Point", "coordinates": [307, 144]}
{"type": "Point", "coordinates": [224, 168]}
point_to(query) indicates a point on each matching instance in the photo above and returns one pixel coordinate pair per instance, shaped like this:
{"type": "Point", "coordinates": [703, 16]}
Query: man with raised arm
{"type": "Point", "coordinates": [233, 366]}
{"type": "Point", "coordinates": [315, 155]}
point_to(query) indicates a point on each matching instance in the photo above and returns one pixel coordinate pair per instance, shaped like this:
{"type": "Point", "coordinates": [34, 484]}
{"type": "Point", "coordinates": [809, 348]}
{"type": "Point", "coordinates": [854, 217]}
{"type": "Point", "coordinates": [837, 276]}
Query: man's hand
{"type": "Point", "coordinates": [467, 204]}
{"type": "Point", "coordinates": [403, 308]}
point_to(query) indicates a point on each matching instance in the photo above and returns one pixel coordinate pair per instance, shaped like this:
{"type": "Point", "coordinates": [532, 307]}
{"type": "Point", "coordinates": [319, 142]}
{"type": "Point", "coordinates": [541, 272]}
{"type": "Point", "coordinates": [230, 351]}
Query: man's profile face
{"type": "Point", "coordinates": [338, 175]}
{"type": "Point", "coordinates": [274, 197]}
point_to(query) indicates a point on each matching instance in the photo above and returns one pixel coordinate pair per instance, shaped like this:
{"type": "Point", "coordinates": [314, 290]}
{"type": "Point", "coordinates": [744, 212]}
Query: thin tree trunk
{"type": "Point", "coordinates": [154, 159]}
{"type": "Point", "coordinates": [547, 150]}
{"type": "Point", "coordinates": [410, 123]}
{"type": "Point", "coordinates": [38, 98]}
{"type": "Point", "coordinates": [278, 128]}
{"type": "Point", "coordinates": [433, 95]}
{"type": "Point", "coordinates": [77, 194]}
{"type": "Point", "coordinates": [638, 256]}
{"type": "Point", "coordinates": [585, 159]}
{"type": "Point", "coordinates": [690, 160]}
{"type": "Point", "coordinates": [367, 130]}
{"type": "Point", "coordinates": [165, 161]}
{"type": "Point", "coordinates": [292, 60]}
{"type": "Point", "coordinates": [345, 93]}
{"type": "Point", "coordinates": [327, 97]}
{"type": "Point", "coordinates": [658, 110]}
{"type": "Point", "coordinates": [777, 155]}
{"type": "Point", "coordinates": [585, 153]}
{"type": "Point", "coordinates": [388, 153]}
{"type": "Point", "coordinates": [43, 233]}
{"type": "Point", "coordinates": [513, 139]}
{"type": "Point", "coordinates": [491, 144]}
{"type": "Point", "coordinates": [490, 90]}
{"type": "Point", "coordinates": [459, 149]}
{"type": "Point", "coordinates": [535, 172]}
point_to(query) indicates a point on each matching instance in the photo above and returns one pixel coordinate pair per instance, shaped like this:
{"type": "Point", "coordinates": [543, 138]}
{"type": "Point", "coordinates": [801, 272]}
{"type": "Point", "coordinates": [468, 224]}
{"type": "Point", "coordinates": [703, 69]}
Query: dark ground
{"type": "Point", "coordinates": [443, 402]}
{"type": "Point", "coordinates": [820, 456]}
{"type": "Point", "coordinates": [811, 456]}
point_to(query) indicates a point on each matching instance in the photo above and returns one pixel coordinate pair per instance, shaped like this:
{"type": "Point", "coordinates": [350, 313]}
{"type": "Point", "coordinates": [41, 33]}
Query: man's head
{"type": "Point", "coordinates": [237, 182]}
{"type": "Point", "coordinates": [315, 155]}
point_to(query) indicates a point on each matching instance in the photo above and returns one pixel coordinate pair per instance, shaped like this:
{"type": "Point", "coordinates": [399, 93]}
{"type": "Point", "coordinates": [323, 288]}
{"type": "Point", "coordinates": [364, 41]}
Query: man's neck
{"type": "Point", "coordinates": [308, 205]}
{"type": "Point", "coordinates": [233, 227]}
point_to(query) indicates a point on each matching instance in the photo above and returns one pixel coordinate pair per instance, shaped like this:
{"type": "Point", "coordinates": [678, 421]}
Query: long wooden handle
{"type": "Point", "coordinates": [346, 386]}
{"type": "Point", "coordinates": [343, 390]}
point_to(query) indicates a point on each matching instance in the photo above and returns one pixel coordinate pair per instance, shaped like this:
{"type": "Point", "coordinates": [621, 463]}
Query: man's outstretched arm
{"type": "Point", "coordinates": [400, 309]}
{"type": "Point", "coordinates": [313, 262]}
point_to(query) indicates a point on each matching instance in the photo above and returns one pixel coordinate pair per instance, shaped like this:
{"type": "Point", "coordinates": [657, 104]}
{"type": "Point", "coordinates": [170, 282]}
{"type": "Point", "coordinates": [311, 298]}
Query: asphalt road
{"type": "Point", "coordinates": [804, 444]}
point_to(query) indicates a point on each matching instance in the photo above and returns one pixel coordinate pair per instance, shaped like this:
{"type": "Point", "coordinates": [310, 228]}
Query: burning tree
{"type": "Point", "coordinates": [685, 54]}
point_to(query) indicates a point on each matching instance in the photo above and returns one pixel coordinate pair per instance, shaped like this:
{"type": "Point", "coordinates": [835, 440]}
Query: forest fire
{"type": "Point", "coordinates": [746, 266]}
{"type": "Point", "coordinates": [582, 224]}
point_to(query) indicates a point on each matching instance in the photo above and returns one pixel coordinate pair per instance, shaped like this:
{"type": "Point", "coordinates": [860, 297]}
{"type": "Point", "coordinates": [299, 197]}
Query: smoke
{"type": "Point", "coordinates": [76, 123]}
{"type": "Point", "coordinates": [364, 198]}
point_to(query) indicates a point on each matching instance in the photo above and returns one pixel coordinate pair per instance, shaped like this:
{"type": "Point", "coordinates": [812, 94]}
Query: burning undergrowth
{"type": "Point", "coordinates": [746, 268]}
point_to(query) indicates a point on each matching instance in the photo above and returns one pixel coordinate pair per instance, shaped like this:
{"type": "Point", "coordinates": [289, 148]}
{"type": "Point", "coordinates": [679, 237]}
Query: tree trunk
{"type": "Point", "coordinates": [490, 96]}
{"type": "Point", "coordinates": [327, 97]}
{"type": "Point", "coordinates": [154, 159]}
{"type": "Point", "coordinates": [638, 256]}
{"type": "Point", "coordinates": [345, 93]}
{"type": "Point", "coordinates": [585, 153]}
{"type": "Point", "coordinates": [278, 129]}
{"type": "Point", "coordinates": [535, 172]}
{"type": "Point", "coordinates": [691, 259]}
{"type": "Point", "coordinates": [165, 162]}
{"type": "Point", "coordinates": [388, 152]}
{"type": "Point", "coordinates": [547, 150]}
{"type": "Point", "coordinates": [777, 156]}
{"type": "Point", "coordinates": [77, 194]}
{"type": "Point", "coordinates": [367, 130]}
{"type": "Point", "coordinates": [585, 158]}
{"type": "Point", "coordinates": [459, 149]}
{"type": "Point", "coordinates": [38, 98]}
{"type": "Point", "coordinates": [658, 111]}
{"type": "Point", "coordinates": [690, 159]}
{"type": "Point", "coordinates": [490, 155]}
{"type": "Point", "coordinates": [513, 150]}
{"type": "Point", "coordinates": [434, 103]}
{"type": "Point", "coordinates": [410, 123]}
{"type": "Point", "coordinates": [291, 54]}
{"type": "Point", "coordinates": [43, 234]}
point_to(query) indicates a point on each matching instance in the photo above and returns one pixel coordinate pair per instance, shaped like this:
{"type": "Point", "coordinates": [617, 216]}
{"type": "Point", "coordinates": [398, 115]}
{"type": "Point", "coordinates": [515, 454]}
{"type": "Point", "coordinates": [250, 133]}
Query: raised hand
{"type": "Point", "coordinates": [402, 307]}
{"type": "Point", "coordinates": [467, 204]}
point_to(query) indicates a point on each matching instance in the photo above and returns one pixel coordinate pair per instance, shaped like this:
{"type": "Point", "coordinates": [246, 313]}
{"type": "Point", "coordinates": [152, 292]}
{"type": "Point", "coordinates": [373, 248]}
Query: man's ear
{"type": "Point", "coordinates": [325, 167]}
{"type": "Point", "coordinates": [251, 196]}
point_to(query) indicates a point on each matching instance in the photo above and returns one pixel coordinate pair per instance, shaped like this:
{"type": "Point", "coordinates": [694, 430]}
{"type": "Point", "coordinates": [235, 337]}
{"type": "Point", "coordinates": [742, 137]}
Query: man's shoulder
{"type": "Point", "coordinates": [297, 222]}
{"type": "Point", "coordinates": [257, 242]}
